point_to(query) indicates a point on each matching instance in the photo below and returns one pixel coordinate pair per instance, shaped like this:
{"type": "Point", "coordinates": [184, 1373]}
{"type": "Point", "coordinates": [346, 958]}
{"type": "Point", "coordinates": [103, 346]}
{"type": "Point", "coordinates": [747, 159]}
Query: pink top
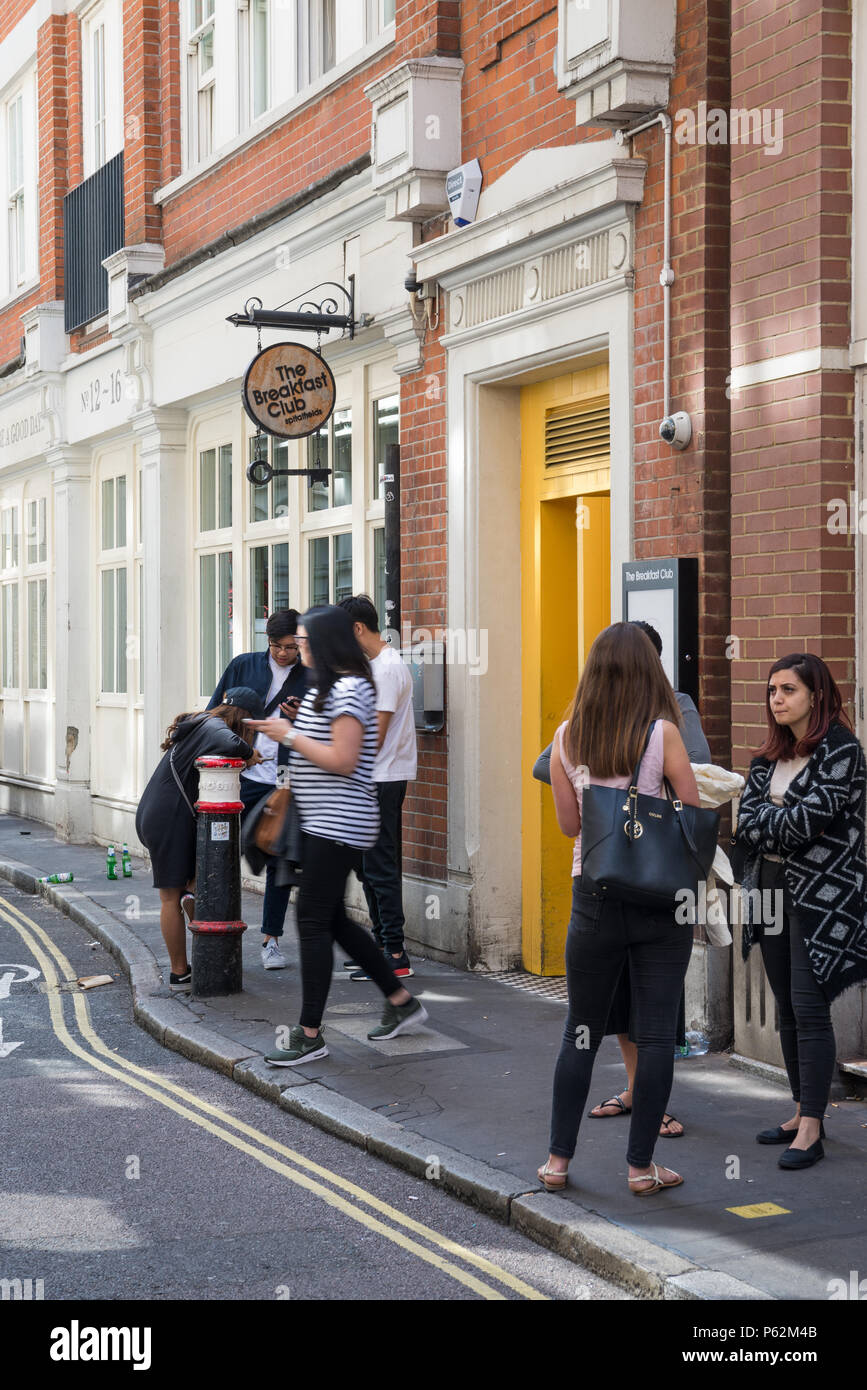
{"type": "Point", "coordinates": [649, 778]}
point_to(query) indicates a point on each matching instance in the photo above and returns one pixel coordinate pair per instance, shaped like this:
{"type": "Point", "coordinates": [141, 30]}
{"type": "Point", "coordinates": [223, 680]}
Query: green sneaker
{"type": "Point", "coordinates": [300, 1049]}
{"type": "Point", "coordinates": [399, 1018]}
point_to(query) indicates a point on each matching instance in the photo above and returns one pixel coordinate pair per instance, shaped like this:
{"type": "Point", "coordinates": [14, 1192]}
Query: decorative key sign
{"type": "Point", "coordinates": [289, 390]}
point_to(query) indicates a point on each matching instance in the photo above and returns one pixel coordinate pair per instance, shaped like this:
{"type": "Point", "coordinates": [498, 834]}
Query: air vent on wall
{"type": "Point", "coordinates": [578, 435]}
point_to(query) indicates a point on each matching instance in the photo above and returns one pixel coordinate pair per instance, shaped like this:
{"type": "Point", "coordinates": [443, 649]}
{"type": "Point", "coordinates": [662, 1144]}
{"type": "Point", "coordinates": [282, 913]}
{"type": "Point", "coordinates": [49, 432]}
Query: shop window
{"type": "Point", "coordinates": [37, 544]}
{"type": "Point", "coordinates": [9, 612]}
{"type": "Point", "coordinates": [114, 512]}
{"type": "Point", "coordinates": [37, 634]}
{"type": "Point", "coordinates": [9, 538]}
{"type": "Point", "coordinates": [215, 488]}
{"type": "Point", "coordinates": [113, 587]}
{"type": "Point", "coordinates": [269, 588]}
{"type": "Point", "coordinates": [270, 501]}
{"type": "Point", "coordinates": [331, 447]}
{"type": "Point", "coordinates": [215, 618]}
{"type": "Point", "coordinates": [386, 430]}
{"type": "Point", "coordinates": [329, 568]}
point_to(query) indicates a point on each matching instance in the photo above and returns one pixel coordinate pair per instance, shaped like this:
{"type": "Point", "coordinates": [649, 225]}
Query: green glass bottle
{"type": "Point", "coordinates": [111, 863]}
{"type": "Point", "coordinates": [125, 860]}
{"type": "Point", "coordinates": [57, 878]}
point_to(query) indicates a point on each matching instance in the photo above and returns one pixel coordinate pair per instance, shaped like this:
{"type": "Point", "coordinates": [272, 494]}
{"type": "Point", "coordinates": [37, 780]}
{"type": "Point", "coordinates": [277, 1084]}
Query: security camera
{"type": "Point", "coordinates": [411, 284]}
{"type": "Point", "coordinates": [676, 429]}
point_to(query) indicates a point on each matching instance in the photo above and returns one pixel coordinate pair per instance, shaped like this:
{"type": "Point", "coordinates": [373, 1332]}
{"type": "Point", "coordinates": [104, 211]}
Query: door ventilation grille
{"type": "Point", "coordinates": [578, 435]}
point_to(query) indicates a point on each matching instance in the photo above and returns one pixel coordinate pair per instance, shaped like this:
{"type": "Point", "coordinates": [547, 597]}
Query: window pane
{"type": "Point", "coordinates": [280, 577]}
{"type": "Point", "coordinates": [120, 576]}
{"type": "Point", "coordinates": [208, 624]}
{"type": "Point", "coordinates": [225, 518]}
{"type": "Point", "coordinates": [206, 52]}
{"type": "Point", "coordinates": [280, 485]}
{"type": "Point", "coordinates": [259, 21]}
{"type": "Point", "coordinates": [387, 11]}
{"type": "Point", "coordinates": [120, 511]}
{"type": "Point", "coordinates": [342, 476]}
{"type": "Point", "coordinates": [10, 635]}
{"type": "Point", "coordinates": [258, 495]}
{"type": "Point", "coordinates": [43, 634]}
{"type": "Point", "coordinates": [32, 634]}
{"type": "Point", "coordinates": [259, 611]}
{"type": "Point", "coordinates": [226, 602]}
{"type": "Point", "coordinates": [328, 34]}
{"type": "Point", "coordinates": [206, 122]}
{"type": "Point", "coordinates": [385, 432]}
{"type": "Point", "coordinates": [108, 514]}
{"type": "Point", "coordinates": [379, 575]}
{"type": "Point", "coordinates": [32, 533]}
{"type": "Point", "coordinates": [317, 457]}
{"type": "Point", "coordinates": [342, 566]}
{"type": "Point", "coordinates": [318, 585]}
{"type": "Point", "coordinates": [14, 537]}
{"type": "Point", "coordinates": [208, 490]}
{"type": "Point", "coordinates": [43, 533]}
{"type": "Point", "coordinates": [141, 630]}
{"type": "Point", "coordinates": [108, 630]}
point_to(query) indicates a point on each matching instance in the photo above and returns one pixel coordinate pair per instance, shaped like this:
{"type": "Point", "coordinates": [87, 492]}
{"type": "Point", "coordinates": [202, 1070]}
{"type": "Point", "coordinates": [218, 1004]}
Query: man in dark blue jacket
{"type": "Point", "coordinates": [278, 676]}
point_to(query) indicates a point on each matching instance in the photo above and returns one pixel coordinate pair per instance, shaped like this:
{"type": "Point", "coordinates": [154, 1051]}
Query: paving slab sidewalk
{"type": "Point", "coordinates": [466, 1102]}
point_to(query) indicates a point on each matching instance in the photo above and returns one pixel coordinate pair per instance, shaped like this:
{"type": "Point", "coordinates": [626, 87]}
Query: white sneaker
{"type": "Point", "coordinates": [272, 957]}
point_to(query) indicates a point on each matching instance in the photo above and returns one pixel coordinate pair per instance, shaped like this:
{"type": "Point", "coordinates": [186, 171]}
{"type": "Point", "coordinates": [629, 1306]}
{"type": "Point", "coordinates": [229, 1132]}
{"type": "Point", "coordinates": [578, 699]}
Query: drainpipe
{"type": "Point", "coordinates": [666, 275]}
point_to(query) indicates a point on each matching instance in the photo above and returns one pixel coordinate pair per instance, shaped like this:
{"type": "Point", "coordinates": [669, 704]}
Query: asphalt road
{"type": "Point", "coordinates": [129, 1172]}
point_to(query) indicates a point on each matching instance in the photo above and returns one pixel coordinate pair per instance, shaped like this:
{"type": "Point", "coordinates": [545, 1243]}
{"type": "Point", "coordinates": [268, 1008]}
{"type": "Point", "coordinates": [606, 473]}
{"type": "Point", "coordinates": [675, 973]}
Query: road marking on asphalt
{"type": "Point", "coordinates": [756, 1209]}
{"type": "Point", "coordinates": [8, 979]}
{"type": "Point", "coordinates": [131, 1073]}
{"type": "Point", "coordinates": [6, 1047]}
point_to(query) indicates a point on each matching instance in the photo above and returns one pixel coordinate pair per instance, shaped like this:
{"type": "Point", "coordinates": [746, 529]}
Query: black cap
{"type": "Point", "coordinates": [245, 698]}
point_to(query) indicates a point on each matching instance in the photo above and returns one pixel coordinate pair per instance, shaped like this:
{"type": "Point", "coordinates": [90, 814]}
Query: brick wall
{"type": "Point", "coordinates": [11, 13]}
{"type": "Point", "coordinates": [682, 498]}
{"type": "Point", "coordinates": [792, 439]}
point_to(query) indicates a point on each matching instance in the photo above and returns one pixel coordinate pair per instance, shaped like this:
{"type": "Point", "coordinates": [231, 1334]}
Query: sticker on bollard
{"type": "Point", "coordinates": [220, 830]}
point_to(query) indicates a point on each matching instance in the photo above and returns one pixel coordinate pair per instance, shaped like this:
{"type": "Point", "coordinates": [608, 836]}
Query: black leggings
{"type": "Point", "coordinates": [604, 937]}
{"type": "Point", "coordinates": [806, 1033]}
{"type": "Point", "coordinates": [322, 920]}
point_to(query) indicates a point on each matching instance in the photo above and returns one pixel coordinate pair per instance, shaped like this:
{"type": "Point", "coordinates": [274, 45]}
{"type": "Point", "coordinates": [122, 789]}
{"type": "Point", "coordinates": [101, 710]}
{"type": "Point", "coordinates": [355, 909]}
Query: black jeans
{"type": "Point", "coordinates": [276, 899]}
{"type": "Point", "coordinates": [806, 1032]}
{"type": "Point", "coordinates": [322, 920]}
{"type": "Point", "coordinates": [603, 936]}
{"type": "Point", "coordinates": [382, 869]}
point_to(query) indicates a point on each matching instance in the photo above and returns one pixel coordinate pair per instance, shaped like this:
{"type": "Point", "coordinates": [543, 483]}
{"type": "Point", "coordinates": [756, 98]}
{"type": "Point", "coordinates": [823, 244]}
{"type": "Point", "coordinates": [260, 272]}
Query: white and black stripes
{"type": "Point", "coordinates": [331, 806]}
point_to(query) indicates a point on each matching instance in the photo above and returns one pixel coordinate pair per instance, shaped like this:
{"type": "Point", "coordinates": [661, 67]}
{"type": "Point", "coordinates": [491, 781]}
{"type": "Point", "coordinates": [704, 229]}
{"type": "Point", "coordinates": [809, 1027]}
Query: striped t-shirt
{"type": "Point", "coordinates": [338, 808]}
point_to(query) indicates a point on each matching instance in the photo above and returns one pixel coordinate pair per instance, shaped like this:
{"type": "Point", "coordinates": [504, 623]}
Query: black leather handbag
{"type": "Point", "coordinates": [644, 849]}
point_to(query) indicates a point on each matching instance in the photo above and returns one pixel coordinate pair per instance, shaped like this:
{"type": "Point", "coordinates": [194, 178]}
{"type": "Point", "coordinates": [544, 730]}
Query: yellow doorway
{"type": "Point", "coordinates": [565, 602]}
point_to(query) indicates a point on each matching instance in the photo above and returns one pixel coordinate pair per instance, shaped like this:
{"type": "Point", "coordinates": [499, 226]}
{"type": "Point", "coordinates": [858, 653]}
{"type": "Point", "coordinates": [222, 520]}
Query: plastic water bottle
{"type": "Point", "coordinates": [698, 1043]}
{"type": "Point", "coordinates": [125, 861]}
{"type": "Point", "coordinates": [111, 863]}
{"type": "Point", "coordinates": [56, 878]}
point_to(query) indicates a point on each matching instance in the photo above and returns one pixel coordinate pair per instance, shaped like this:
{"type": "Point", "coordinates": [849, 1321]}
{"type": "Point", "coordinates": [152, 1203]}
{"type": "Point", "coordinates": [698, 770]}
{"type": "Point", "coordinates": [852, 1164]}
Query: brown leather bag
{"type": "Point", "coordinates": [269, 826]}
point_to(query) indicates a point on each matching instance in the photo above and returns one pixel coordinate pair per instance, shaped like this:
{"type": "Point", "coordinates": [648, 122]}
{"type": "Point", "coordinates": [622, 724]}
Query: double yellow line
{"type": "Point", "coordinates": [344, 1196]}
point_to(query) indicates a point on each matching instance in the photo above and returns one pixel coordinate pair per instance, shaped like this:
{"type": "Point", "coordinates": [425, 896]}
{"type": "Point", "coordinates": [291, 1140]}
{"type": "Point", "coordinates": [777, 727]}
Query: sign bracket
{"type": "Point", "coordinates": [310, 316]}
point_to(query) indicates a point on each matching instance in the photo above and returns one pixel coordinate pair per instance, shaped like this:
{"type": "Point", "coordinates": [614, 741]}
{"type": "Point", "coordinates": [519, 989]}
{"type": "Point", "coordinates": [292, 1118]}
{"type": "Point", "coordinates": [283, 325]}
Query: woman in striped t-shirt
{"type": "Point", "coordinates": [333, 745]}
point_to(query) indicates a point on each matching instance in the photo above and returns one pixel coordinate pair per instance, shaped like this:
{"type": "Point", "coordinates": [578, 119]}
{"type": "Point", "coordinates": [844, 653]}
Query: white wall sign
{"type": "Point", "coordinates": [98, 396]}
{"type": "Point", "coordinates": [23, 431]}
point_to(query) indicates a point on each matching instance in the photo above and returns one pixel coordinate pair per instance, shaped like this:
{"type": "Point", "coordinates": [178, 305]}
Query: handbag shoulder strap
{"type": "Point", "coordinates": [634, 779]}
{"type": "Point", "coordinates": [181, 787]}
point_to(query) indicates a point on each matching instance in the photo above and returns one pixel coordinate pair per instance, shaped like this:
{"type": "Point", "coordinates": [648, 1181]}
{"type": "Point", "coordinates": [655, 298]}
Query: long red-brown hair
{"type": "Point", "coordinates": [232, 715]}
{"type": "Point", "coordinates": [780, 745]}
{"type": "Point", "coordinates": [622, 688]}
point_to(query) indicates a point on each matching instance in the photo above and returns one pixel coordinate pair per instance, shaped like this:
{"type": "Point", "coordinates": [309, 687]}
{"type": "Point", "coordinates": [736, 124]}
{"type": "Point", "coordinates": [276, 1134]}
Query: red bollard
{"type": "Point", "coordinates": [217, 929]}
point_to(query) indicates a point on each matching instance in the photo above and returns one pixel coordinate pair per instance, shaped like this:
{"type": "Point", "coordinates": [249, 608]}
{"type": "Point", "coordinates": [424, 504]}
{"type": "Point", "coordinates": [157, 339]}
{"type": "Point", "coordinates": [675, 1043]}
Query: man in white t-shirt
{"type": "Point", "coordinates": [396, 764]}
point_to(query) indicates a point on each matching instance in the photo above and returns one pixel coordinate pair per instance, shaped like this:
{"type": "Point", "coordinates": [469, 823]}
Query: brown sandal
{"type": "Point", "coordinates": [656, 1180]}
{"type": "Point", "coordinates": [551, 1179]}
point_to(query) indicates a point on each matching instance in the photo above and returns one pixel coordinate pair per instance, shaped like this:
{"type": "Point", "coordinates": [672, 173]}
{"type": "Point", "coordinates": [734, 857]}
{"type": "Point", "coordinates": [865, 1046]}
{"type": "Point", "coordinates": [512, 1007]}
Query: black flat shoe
{"type": "Point", "coordinates": [802, 1158]}
{"type": "Point", "coordinates": [782, 1136]}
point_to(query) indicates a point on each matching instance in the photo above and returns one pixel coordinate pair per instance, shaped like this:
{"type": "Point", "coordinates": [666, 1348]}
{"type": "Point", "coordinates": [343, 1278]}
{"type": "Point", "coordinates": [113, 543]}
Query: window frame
{"type": "Point", "coordinates": [114, 556]}
{"type": "Point", "coordinates": [200, 84]}
{"type": "Point", "coordinates": [310, 34]}
{"type": "Point", "coordinates": [98, 147]}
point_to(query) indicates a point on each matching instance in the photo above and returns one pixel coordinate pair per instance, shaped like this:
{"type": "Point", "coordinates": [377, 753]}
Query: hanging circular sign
{"type": "Point", "coordinates": [289, 390]}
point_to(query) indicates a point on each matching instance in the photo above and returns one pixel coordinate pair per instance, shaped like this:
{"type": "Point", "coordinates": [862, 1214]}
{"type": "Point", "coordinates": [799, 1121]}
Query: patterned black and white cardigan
{"type": "Point", "coordinates": [819, 834]}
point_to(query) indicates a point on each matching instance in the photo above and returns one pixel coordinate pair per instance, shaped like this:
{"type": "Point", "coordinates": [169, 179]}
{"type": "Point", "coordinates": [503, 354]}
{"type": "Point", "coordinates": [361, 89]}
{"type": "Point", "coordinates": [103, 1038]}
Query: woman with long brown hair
{"type": "Point", "coordinates": [623, 713]}
{"type": "Point", "coordinates": [800, 838]}
{"type": "Point", "coordinates": [165, 821]}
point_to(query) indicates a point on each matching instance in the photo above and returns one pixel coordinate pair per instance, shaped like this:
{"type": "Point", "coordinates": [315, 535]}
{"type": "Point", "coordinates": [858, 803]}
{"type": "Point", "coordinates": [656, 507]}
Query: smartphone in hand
{"type": "Point", "coordinates": [291, 706]}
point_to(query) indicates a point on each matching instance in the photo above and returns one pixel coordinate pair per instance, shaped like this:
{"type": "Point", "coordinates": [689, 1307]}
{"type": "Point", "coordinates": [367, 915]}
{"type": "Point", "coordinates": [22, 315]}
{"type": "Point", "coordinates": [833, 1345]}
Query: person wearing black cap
{"type": "Point", "coordinates": [165, 821]}
{"type": "Point", "coordinates": [278, 677]}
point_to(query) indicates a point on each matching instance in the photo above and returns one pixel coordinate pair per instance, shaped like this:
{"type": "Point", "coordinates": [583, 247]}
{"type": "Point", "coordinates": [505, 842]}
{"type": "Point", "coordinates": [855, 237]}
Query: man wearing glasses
{"type": "Point", "coordinates": [278, 676]}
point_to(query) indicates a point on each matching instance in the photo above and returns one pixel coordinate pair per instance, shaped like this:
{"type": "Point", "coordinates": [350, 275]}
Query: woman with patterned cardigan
{"type": "Point", "coordinates": [800, 834]}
